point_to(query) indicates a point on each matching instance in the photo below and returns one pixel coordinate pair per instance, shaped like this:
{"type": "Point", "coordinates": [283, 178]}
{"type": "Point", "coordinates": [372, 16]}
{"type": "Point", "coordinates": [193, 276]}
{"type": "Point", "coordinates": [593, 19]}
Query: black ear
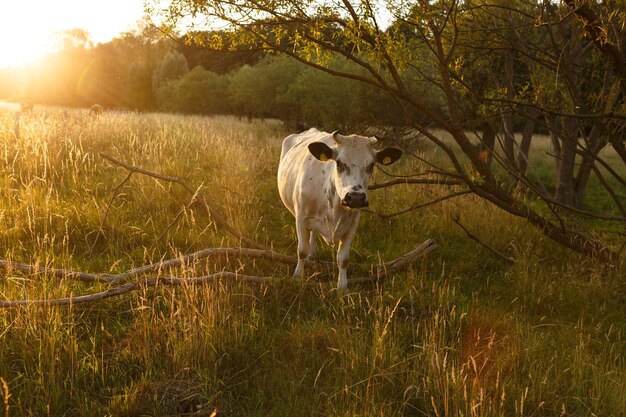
{"type": "Point", "coordinates": [388, 156]}
{"type": "Point", "coordinates": [321, 151]}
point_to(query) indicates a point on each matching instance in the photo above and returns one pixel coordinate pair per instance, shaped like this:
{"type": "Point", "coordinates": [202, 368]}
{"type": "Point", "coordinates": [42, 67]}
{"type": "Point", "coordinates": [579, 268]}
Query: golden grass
{"type": "Point", "coordinates": [460, 333]}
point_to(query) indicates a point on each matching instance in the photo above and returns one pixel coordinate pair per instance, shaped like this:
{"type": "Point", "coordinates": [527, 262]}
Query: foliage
{"type": "Point", "coordinates": [201, 91]}
{"type": "Point", "coordinates": [255, 90]}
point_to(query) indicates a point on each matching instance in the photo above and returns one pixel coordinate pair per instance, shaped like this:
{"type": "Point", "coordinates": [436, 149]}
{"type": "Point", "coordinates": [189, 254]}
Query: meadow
{"type": "Point", "coordinates": [459, 333]}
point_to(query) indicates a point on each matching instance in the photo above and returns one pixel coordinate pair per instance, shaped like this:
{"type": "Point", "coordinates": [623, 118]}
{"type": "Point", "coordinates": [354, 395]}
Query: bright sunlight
{"type": "Point", "coordinates": [30, 28]}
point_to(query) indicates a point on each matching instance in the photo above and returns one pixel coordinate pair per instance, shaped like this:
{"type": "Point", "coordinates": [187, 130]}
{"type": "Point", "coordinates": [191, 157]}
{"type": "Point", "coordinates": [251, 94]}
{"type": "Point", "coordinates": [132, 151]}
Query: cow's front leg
{"type": "Point", "coordinates": [303, 248]}
{"type": "Point", "coordinates": [343, 255]}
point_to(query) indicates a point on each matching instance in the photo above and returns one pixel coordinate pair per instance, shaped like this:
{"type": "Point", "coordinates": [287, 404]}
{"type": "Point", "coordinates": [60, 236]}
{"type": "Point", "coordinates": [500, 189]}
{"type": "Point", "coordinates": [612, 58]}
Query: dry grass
{"type": "Point", "coordinates": [461, 333]}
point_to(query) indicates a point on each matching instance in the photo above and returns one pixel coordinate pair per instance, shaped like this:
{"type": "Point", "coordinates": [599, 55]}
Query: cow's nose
{"type": "Point", "coordinates": [355, 199]}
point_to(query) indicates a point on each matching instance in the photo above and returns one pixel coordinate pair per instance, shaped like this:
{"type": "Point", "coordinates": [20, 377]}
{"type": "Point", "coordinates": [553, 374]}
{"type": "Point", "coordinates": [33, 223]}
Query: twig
{"type": "Point", "coordinates": [114, 194]}
{"type": "Point", "coordinates": [422, 205]}
{"type": "Point", "coordinates": [219, 219]}
{"type": "Point", "coordinates": [194, 198]}
{"type": "Point", "coordinates": [486, 245]}
{"type": "Point", "coordinates": [425, 181]}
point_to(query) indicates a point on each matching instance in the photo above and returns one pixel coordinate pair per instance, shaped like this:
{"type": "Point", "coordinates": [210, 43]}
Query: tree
{"type": "Point", "coordinates": [312, 31]}
{"type": "Point", "coordinates": [254, 90]}
{"type": "Point", "coordinates": [172, 67]}
{"type": "Point", "coordinates": [200, 91]}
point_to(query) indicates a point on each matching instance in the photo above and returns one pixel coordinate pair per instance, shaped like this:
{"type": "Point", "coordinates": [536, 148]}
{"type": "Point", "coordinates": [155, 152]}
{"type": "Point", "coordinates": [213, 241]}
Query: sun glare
{"type": "Point", "coordinates": [30, 28]}
{"type": "Point", "coordinates": [23, 52]}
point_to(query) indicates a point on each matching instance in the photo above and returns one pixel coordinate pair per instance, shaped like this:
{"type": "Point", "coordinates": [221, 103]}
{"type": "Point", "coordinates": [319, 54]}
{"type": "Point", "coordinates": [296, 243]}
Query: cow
{"type": "Point", "coordinates": [26, 106]}
{"type": "Point", "coordinates": [96, 110]}
{"type": "Point", "coordinates": [322, 180]}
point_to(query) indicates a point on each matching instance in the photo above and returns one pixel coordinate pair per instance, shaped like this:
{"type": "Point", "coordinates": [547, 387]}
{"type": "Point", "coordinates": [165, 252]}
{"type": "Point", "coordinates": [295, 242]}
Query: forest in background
{"type": "Point", "coordinates": [144, 70]}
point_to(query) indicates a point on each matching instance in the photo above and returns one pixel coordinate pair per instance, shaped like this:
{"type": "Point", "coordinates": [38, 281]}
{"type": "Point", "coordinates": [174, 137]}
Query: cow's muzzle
{"type": "Point", "coordinates": [355, 199]}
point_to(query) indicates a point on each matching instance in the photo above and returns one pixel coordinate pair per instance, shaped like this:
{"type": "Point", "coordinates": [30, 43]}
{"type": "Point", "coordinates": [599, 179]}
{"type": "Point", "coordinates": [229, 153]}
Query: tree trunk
{"type": "Point", "coordinates": [565, 190]}
{"type": "Point", "coordinates": [487, 143]}
{"type": "Point", "coordinates": [564, 148]}
{"type": "Point", "coordinates": [507, 114]}
{"type": "Point", "coordinates": [527, 135]}
{"type": "Point", "coordinates": [596, 141]}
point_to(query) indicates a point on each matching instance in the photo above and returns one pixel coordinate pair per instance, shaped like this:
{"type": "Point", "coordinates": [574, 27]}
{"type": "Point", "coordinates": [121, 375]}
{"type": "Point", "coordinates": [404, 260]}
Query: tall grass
{"type": "Point", "coordinates": [460, 333]}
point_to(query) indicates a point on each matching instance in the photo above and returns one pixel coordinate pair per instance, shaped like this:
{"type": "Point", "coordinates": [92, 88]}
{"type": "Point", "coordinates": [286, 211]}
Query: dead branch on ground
{"type": "Point", "coordinates": [377, 273]}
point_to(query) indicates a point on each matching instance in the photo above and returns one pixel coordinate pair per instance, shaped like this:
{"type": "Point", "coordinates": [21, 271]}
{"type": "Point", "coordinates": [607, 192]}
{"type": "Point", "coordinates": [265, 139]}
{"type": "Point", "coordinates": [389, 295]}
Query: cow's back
{"type": "Point", "coordinates": [298, 168]}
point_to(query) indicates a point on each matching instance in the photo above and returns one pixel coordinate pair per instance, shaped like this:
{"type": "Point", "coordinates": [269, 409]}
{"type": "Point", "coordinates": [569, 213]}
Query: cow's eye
{"type": "Point", "coordinates": [340, 166]}
{"type": "Point", "coordinates": [370, 168]}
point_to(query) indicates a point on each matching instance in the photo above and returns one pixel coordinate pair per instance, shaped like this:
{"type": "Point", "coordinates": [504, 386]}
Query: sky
{"type": "Point", "coordinates": [28, 28]}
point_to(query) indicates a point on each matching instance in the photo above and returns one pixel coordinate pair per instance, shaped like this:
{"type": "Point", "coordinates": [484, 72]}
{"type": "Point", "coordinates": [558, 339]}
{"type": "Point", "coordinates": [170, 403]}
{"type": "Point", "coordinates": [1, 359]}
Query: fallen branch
{"type": "Point", "coordinates": [154, 267]}
{"type": "Point", "coordinates": [486, 245]}
{"type": "Point", "coordinates": [408, 258]}
{"type": "Point", "coordinates": [133, 286]}
{"type": "Point", "coordinates": [399, 263]}
{"type": "Point", "coordinates": [219, 219]}
{"type": "Point", "coordinates": [59, 273]}
{"type": "Point", "coordinates": [380, 272]}
{"type": "Point", "coordinates": [205, 253]}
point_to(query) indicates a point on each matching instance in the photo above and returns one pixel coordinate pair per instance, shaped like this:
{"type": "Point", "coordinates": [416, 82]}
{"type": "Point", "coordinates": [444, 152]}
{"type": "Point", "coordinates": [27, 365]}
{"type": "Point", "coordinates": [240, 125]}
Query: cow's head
{"type": "Point", "coordinates": [354, 158]}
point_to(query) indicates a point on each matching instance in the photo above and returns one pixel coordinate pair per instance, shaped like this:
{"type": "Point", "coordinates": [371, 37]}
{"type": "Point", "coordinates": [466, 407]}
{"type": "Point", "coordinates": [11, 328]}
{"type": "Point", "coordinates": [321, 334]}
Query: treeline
{"type": "Point", "coordinates": [143, 71]}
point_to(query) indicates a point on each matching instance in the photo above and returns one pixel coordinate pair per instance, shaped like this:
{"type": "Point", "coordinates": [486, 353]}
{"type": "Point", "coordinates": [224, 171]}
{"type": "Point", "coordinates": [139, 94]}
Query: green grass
{"type": "Point", "coordinates": [458, 333]}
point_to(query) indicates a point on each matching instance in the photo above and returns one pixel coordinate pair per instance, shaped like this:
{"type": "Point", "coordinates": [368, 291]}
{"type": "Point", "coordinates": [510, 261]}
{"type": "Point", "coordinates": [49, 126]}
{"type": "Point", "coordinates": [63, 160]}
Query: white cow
{"type": "Point", "coordinates": [323, 179]}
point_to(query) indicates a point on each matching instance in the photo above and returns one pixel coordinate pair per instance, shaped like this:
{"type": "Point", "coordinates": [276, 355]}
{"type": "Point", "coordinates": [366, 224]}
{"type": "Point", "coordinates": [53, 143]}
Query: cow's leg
{"type": "Point", "coordinates": [343, 256]}
{"type": "Point", "coordinates": [303, 248]}
{"type": "Point", "coordinates": [313, 246]}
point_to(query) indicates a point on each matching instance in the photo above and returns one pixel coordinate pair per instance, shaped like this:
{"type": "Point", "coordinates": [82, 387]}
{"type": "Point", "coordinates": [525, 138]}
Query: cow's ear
{"type": "Point", "coordinates": [388, 156]}
{"type": "Point", "coordinates": [321, 151]}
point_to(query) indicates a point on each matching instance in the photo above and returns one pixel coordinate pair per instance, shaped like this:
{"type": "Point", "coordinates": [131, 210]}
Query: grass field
{"type": "Point", "coordinates": [460, 333]}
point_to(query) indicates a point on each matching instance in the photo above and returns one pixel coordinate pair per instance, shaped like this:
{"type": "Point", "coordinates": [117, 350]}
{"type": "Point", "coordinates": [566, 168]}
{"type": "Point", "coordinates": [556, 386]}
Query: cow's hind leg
{"type": "Point", "coordinates": [304, 242]}
{"type": "Point", "coordinates": [343, 257]}
{"type": "Point", "coordinates": [313, 246]}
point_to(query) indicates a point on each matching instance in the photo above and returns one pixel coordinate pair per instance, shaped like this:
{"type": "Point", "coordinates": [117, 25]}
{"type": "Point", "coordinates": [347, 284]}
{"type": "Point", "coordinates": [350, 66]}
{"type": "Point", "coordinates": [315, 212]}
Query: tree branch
{"type": "Point", "coordinates": [114, 194]}
{"type": "Point", "coordinates": [423, 181]}
{"type": "Point", "coordinates": [486, 245]}
{"type": "Point", "coordinates": [219, 219]}
{"type": "Point", "coordinates": [422, 205]}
